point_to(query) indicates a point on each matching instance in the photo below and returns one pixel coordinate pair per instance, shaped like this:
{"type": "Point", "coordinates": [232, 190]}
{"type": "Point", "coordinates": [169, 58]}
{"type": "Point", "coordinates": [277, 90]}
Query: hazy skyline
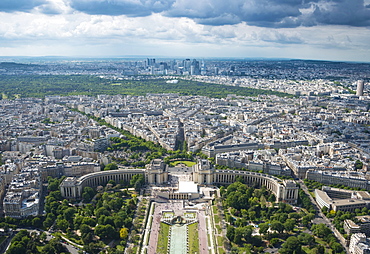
{"type": "Point", "coordinates": [317, 29]}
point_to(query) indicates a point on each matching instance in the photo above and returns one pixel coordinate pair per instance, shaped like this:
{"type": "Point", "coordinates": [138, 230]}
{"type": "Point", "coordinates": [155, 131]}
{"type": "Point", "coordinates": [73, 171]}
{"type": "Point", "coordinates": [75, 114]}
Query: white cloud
{"type": "Point", "coordinates": [55, 28]}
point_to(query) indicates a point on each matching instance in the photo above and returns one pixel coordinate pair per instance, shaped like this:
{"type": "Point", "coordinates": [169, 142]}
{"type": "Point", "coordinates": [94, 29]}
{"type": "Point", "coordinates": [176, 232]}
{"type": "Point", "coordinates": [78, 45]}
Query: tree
{"type": "Point", "coordinates": [105, 231]}
{"type": "Point", "coordinates": [252, 215]}
{"type": "Point", "coordinates": [320, 230]}
{"type": "Point", "coordinates": [85, 229]}
{"type": "Point", "coordinates": [271, 198]}
{"type": "Point", "coordinates": [277, 226]}
{"type": "Point", "coordinates": [92, 248]}
{"type": "Point", "coordinates": [110, 166]}
{"type": "Point", "coordinates": [289, 224]}
{"type": "Point", "coordinates": [88, 221]}
{"type": "Point", "coordinates": [48, 222]}
{"type": "Point", "coordinates": [306, 239]}
{"type": "Point", "coordinates": [319, 250]}
{"type": "Point", "coordinates": [324, 209]}
{"type": "Point", "coordinates": [101, 211]}
{"type": "Point", "coordinates": [263, 228]}
{"type": "Point", "coordinates": [230, 233]}
{"type": "Point", "coordinates": [69, 214]}
{"type": "Point", "coordinates": [137, 181]}
{"type": "Point", "coordinates": [86, 197]}
{"type": "Point", "coordinates": [123, 233]}
{"type": "Point", "coordinates": [238, 236]}
{"type": "Point", "coordinates": [36, 222]}
{"type": "Point", "coordinates": [336, 247]}
{"type": "Point", "coordinates": [88, 194]}
{"type": "Point", "coordinates": [43, 236]}
{"type": "Point", "coordinates": [274, 241]}
{"type": "Point", "coordinates": [53, 185]}
{"type": "Point", "coordinates": [291, 246]}
{"type": "Point", "coordinates": [87, 238]}
{"type": "Point", "coordinates": [16, 248]}
{"type": "Point", "coordinates": [48, 249]}
{"type": "Point", "coordinates": [62, 224]}
{"type": "Point", "coordinates": [306, 220]}
{"type": "Point", "coordinates": [359, 164]}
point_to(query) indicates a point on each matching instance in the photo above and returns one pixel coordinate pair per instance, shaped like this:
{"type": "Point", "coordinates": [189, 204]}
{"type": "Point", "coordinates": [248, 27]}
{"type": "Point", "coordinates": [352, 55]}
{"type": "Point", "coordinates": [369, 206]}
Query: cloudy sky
{"type": "Point", "coordinates": [305, 29]}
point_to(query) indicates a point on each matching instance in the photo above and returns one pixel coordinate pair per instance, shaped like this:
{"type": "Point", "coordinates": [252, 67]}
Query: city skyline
{"type": "Point", "coordinates": [317, 29]}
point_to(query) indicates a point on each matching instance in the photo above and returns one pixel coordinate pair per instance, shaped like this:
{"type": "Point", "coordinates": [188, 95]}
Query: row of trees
{"type": "Point", "coordinates": [312, 185]}
{"type": "Point", "coordinates": [138, 151]}
{"type": "Point", "coordinates": [305, 201]}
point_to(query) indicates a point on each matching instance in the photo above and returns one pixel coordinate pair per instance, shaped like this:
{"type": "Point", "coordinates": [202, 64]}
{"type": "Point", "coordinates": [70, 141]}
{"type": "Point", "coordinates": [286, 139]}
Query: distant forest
{"type": "Point", "coordinates": [43, 85]}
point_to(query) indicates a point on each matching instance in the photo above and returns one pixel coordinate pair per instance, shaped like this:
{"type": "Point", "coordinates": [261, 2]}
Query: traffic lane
{"type": "Point", "coordinates": [70, 248]}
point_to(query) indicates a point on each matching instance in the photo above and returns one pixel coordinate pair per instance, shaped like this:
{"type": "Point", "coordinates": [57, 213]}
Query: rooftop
{"type": "Point", "coordinates": [188, 187]}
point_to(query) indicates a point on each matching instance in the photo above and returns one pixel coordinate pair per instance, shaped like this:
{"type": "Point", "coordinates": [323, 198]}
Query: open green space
{"type": "Point", "coordinates": [219, 230]}
{"type": "Point", "coordinates": [163, 238]}
{"type": "Point", "coordinates": [44, 85]}
{"type": "Point", "coordinates": [186, 163]}
{"type": "Point", "coordinates": [168, 214]}
{"type": "Point", "coordinates": [279, 223]}
{"type": "Point", "coordinates": [190, 215]}
{"type": "Point", "coordinates": [106, 218]}
{"type": "Point", "coordinates": [220, 241]}
{"type": "Point", "coordinates": [221, 251]}
{"type": "Point", "coordinates": [217, 219]}
{"type": "Point", "coordinates": [193, 238]}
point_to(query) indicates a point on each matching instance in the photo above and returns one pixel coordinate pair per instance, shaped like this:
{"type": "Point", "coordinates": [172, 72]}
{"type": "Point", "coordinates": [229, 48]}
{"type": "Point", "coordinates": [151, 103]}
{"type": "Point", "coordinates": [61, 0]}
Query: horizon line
{"type": "Point", "coordinates": [181, 57]}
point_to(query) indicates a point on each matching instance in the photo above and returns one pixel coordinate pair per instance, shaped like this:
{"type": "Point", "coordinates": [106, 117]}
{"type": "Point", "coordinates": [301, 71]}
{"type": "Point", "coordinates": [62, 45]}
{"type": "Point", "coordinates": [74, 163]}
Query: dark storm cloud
{"type": "Point", "coordinates": [343, 12]}
{"type": "Point", "coordinates": [274, 13]}
{"type": "Point", "coordinates": [135, 8]}
{"type": "Point", "coordinates": [260, 13]}
{"type": "Point", "coordinates": [19, 5]}
{"type": "Point", "coordinates": [270, 13]}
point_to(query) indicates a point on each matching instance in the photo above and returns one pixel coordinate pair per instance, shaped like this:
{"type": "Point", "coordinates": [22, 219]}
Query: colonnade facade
{"type": "Point", "coordinates": [156, 173]}
{"type": "Point", "coordinates": [284, 190]}
{"type": "Point", "coordinates": [72, 187]}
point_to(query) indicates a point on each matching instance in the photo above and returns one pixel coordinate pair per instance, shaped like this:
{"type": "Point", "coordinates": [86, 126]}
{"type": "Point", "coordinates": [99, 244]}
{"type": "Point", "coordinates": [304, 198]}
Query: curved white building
{"type": "Point", "coordinates": [202, 173]}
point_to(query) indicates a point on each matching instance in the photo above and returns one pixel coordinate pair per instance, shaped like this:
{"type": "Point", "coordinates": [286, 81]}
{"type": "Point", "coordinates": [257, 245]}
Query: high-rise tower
{"type": "Point", "coordinates": [360, 88]}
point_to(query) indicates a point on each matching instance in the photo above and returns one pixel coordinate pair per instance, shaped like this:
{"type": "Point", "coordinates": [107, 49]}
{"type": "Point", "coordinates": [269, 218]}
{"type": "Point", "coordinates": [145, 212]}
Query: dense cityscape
{"type": "Point", "coordinates": [285, 170]}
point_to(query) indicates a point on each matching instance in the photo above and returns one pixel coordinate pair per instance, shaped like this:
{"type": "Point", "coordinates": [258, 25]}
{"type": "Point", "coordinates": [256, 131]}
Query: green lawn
{"type": "Point", "coordinates": [307, 250]}
{"type": "Point", "coordinates": [190, 215]}
{"type": "Point", "coordinates": [120, 248]}
{"type": "Point", "coordinates": [219, 230]}
{"type": "Point", "coordinates": [220, 241]}
{"type": "Point", "coordinates": [217, 219]}
{"type": "Point", "coordinates": [214, 209]}
{"type": "Point", "coordinates": [186, 163]}
{"type": "Point", "coordinates": [193, 238]}
{"type": "Point", "coordinates": [168, 214]}
{"type": "Point", "coordinates": [163, 238]}
{"type": "Point", "coordinates": [323, 243]}
{"type": "Point", "coordinates": [221, 251]}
